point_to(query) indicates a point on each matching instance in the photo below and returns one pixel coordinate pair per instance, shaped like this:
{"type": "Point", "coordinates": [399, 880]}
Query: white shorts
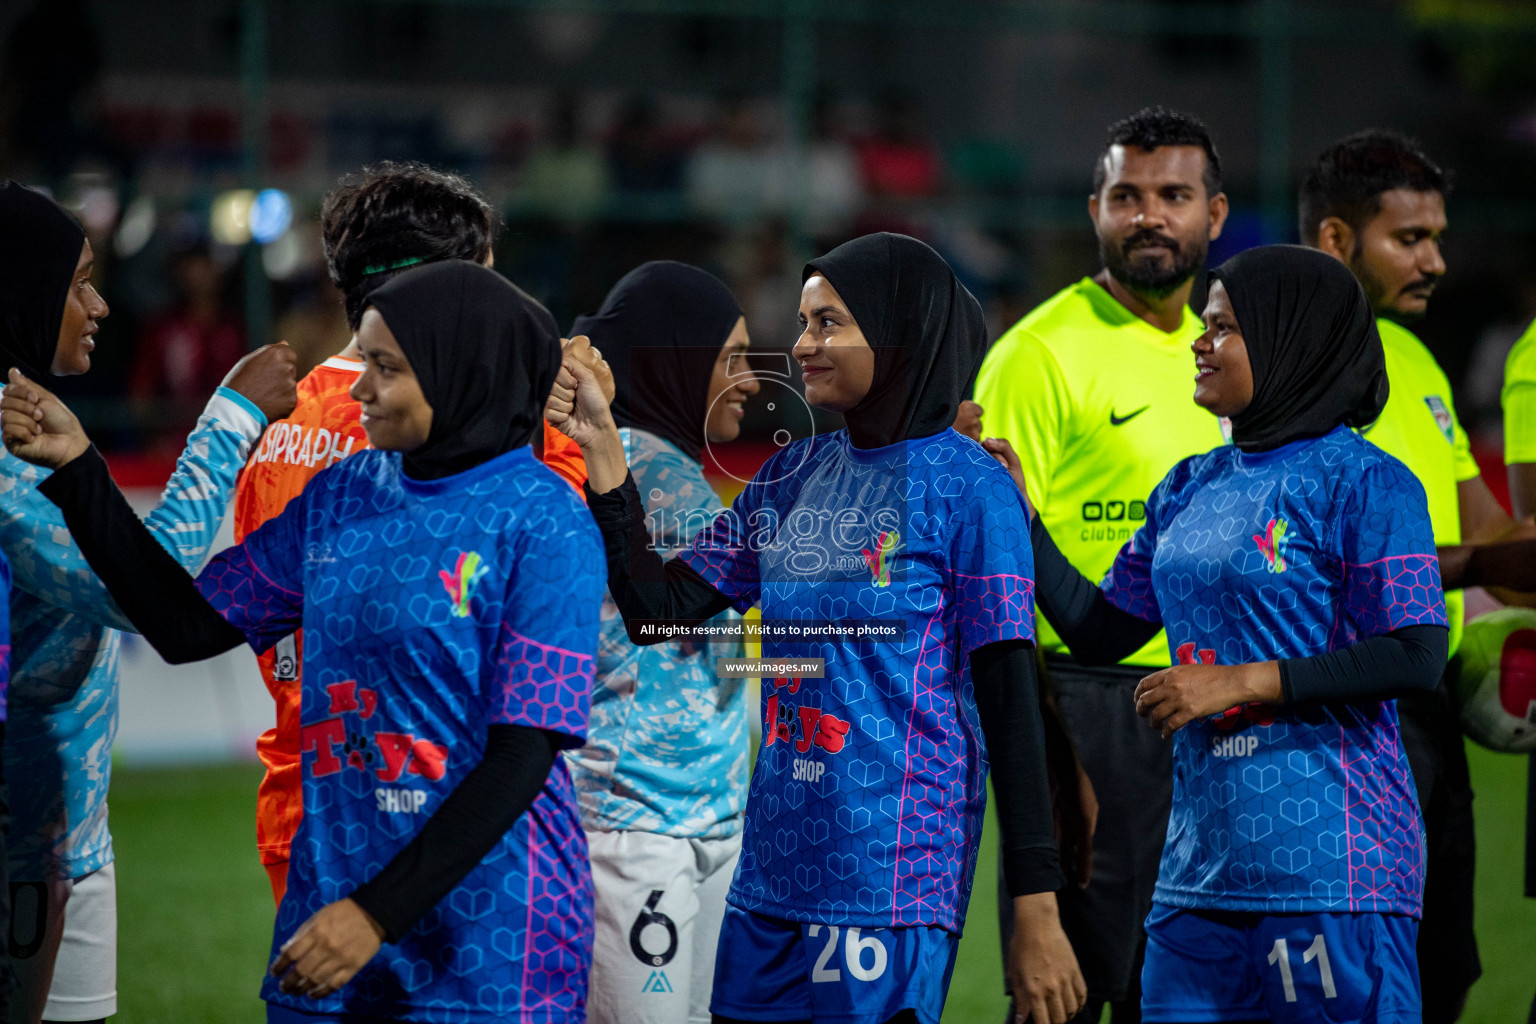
{"type": "Point", "coordinates": [660, 901]}
{"type": "Point", "coordinates": [64, 948]}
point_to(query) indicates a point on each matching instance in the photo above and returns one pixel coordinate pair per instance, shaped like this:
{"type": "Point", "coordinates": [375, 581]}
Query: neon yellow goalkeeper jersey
{"type": "Point", "coordinates": [1519, 399]}
{"type": "Point", "coordinates": [1419, 427]}
{"type": "Point", "coordinates": [1099, 405]}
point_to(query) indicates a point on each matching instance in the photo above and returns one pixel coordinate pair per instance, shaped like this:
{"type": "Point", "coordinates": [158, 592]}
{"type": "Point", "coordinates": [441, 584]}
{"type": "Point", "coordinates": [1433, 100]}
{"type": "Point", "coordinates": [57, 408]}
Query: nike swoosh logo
{"type": "Point", "coordinates": [1116, 421]}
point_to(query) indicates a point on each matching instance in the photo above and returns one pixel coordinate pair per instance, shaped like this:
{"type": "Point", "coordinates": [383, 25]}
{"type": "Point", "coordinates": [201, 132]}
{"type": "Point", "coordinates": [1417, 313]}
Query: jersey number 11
{"type": "Point", "coordinates": [1281, 955]}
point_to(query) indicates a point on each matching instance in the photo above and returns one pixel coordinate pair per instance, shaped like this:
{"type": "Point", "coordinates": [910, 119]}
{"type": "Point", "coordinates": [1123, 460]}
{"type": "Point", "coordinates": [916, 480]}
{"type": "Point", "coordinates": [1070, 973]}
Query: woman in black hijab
{"type": "Point", "coordinates": [1315, 358]}
{"type": "Point", "coordinates": [662, 330]}
{"type": "Point", "coordinates": [45, 327]}
{"type": "Point", "coordinates": [663, 776]}
{"type": "Point", "coordinates": [895, 518]}
{"type": "Point", "coordinates": [450, 644]}
{"type": "Point", "coordinates": [1295, 573]}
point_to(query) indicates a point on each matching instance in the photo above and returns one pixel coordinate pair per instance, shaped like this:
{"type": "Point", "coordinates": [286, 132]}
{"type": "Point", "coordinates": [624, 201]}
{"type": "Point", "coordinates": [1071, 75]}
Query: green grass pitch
{"type": "Point", "coordinates": [196, 912]}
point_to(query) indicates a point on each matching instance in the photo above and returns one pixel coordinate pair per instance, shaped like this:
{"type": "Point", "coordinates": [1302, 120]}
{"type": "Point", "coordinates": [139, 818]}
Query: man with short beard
{"type": "Point", "coordinates": [1375, 202]}
{"type": "Point", "coordinates": [1093, 390]}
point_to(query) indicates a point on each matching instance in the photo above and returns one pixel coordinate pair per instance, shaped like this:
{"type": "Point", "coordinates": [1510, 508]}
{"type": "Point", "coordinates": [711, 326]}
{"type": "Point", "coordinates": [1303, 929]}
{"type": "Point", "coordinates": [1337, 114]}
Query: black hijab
{"type": "Point", "coordinates": [661, 329]}
{"type": "Point", "coordinates": [486, 356]}
{"type": "Point", "coordinates": [39, 250]}
{"type": "Point", "coordinates": [1312, 341]}
{"type": "Point", "coordinates": [926, 329]}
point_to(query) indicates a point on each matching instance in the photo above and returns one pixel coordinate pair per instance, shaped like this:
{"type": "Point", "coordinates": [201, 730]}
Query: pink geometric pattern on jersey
{"type": "Point", "coordinates": [542, 686]}
{"type": "Point", "coordinates": [1388, 594]}
{"type": "Point", "coordinates": [991, 606]}
{"type": "Point", "coordinates": [5, 665]}
{"type": "Point", "coordinates": [1307, 808]}
{"type": "Point", "coordinates": [1386, 855]}
{"type": "Point", "coordinates": [249, 600]}
{"type": "Point", "coordinates": [557, 947]}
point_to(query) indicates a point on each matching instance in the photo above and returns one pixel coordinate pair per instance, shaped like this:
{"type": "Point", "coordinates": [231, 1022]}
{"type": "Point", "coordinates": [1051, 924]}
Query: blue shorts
{"type": "Point", "coordinates": [772, 970]}
{"type": "Point", "coordinates": [1326, 968]}
{"type": "Point", "coordinates": [282, 1015]}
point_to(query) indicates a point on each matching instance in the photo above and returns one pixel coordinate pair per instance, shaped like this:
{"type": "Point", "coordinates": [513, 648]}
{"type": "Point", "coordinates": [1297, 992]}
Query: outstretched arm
{"type": "Point", "coordinates": [1096, 631]}
{"type": "Point", "coordinates": [48, 564]}
{"type": "Point", "coordinates": [152, 588]}
{"type": "Point", "coordinates": [643, 585]}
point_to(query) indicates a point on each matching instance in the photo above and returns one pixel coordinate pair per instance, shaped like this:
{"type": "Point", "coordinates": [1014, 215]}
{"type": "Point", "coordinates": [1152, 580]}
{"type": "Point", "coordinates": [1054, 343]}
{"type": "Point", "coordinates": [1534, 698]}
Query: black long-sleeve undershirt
{"type": "Point", "coordinates": [161, 600]}
{"type": "Point", "coordinates": [1098, 633]}
{"type": "Point", "coordinates": [643, 584]}
{"type": "Point", "coordinates": [1008, 705]}
{"type": "Point", "coordinates": [149, 585]}
{"type": "Point", "coordinates": [463, 829]}
{"type": "Point", "coordinates": [647, 587]}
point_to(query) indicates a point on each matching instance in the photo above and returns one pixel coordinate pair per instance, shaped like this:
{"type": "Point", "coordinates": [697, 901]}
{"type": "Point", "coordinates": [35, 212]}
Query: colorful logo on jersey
{"type": "Point", "coordinates": [1272, 544]}
{"type": "Point", "coordinates": [462, 580]}
{"type": "Point", "coordinates": [657, 982]}
{"type": "Point", "coordinates": [1442, 417]}
{"type": "Point", "coordinates": [879, 559]}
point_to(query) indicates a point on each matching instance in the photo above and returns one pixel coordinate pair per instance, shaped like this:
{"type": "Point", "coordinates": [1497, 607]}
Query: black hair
{"type": "Point", "coordinates": [1348, 178]}
{"type": "Point", "coordinates": [376, 224]}
{"type": "Point", "coordinates": [1152, 127]}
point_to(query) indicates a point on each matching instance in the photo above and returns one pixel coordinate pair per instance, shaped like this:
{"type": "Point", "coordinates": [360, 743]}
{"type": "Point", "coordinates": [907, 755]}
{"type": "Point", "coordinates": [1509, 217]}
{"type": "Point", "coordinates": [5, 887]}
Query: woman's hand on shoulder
{"type": "Point", "coordinates": [1002, 451]}
{"type": "Point", "coordinates": [37, 427]}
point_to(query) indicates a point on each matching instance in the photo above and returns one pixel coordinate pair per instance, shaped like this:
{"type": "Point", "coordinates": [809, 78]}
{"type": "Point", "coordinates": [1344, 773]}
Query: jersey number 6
{"type": "Point", "coordinates": [650, 915]}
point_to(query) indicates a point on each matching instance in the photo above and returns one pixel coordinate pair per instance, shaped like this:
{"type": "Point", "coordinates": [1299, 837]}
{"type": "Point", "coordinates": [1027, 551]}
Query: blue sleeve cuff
{"type": "Point", "coordinates": [245, 403]}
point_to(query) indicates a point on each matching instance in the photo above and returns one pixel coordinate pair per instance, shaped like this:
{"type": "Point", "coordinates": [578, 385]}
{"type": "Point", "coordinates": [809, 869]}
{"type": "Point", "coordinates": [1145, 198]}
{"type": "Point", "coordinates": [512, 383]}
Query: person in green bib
{"type": "Point", "coordinates": [1519, 401]}
{"type": "Point", "coordinates": [1092, 390]}
{"type": "Point", "coordinates": [1376, 202]}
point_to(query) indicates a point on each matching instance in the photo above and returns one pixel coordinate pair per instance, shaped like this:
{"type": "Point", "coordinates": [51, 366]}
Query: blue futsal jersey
{"type": "Point", "coordinates": [1298, 551]}
{"type": "Point", "coordinates": [865, 808]}
{"type": "Point", "coordinates": [431, 610]}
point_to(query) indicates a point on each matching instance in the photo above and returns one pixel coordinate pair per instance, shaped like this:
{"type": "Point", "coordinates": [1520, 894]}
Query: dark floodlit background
{"type": "Point", "coordinates": [742, 135]}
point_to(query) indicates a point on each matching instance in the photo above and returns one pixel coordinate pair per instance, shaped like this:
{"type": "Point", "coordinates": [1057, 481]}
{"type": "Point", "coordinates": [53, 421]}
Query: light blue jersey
{"type": "Point", "coordinates": [667, 741]}
{"type": "Point", "coordinates": [64, 642]}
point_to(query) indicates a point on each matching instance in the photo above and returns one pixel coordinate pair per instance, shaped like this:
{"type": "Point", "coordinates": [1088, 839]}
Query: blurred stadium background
{"type": "Point", "coordinates": [196, 140]}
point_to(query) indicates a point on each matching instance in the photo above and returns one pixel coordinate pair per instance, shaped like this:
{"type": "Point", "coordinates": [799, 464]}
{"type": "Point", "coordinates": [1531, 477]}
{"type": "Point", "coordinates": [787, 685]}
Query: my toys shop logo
{"type": "Point", "coordinates": [345, 740]}
{"type": "Point", "coordinates": [804, 726]}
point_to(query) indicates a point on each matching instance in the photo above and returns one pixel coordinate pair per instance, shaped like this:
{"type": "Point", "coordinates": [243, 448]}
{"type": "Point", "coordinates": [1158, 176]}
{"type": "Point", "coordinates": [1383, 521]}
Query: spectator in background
{"type": "Point", "coordinates": [185, 352]}
{"type": "Point", "coordinates": [836, 193]}
{"type": "Point", "coordinates": [565, 177]}
{"type": "Point", "coordinates": [739, 175]}
{"type": "Point", "coordinates": [899, 161]}
{"type": "Point", "coordinates": [640, 157]}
